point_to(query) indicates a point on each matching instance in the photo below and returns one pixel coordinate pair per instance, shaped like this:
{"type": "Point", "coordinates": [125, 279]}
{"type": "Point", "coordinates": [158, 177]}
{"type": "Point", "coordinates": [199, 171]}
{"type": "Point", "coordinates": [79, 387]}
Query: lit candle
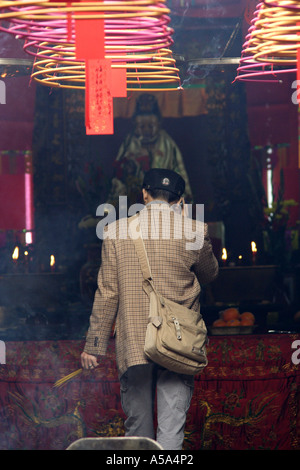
{"type": "Point", "coordinates": [26, 254]}
{"type": "Point", "coordinates": [224, 256]}
{"type": "Point", "coordinates": [254, 252]}
{"type": "Point", "coordinates": [15, 256]}
{"type": "Point", "coordinates": [240, 258]}
{"type": "Point", "coordinates": [52, 263]}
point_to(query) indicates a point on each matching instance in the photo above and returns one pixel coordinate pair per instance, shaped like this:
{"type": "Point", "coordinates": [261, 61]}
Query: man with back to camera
{"type": "Point", "coordinates": [178, 273]}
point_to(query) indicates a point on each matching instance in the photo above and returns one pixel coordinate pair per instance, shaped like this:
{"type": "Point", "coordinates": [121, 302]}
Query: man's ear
{"type": "Point", "coordinates": [145, 195]}
{"type": "Point", "coordinates": [180, 202]}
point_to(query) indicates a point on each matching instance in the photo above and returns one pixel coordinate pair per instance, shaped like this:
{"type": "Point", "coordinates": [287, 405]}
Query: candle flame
{"type": "Point", "coordinates": [224, 254]}
{"type": "Point", "coordinates": [253, 247]}
{"type": "Point", "coordinates": [15, 254]}
{"type": "Point", "coordinates": [52, 260]}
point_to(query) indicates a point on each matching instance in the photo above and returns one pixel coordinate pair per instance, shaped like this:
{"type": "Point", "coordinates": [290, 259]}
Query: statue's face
{"type": "Point", "coordinates": [147, 128]}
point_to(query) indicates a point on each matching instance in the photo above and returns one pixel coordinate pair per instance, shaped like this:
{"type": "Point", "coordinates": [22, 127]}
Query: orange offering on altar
{"type": "Point", "coordinates": [219, 323]}
{"type": "Point", "coordinates": [233, 322]}
{"type": "Point", "coordinates": [247, 318]}
{"type": "Point", "coordinates": [230, 314]}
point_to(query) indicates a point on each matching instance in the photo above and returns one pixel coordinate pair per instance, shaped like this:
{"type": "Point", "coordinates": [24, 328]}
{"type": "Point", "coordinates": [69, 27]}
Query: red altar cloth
{"type": "Point", "coordinates": [247, 398]}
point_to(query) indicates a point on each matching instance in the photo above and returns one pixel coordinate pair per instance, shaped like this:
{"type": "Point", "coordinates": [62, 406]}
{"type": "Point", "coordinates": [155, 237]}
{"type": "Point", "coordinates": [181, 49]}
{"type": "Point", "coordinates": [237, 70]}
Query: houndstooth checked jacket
{"type": "Point", "coordinates": [177, 272]}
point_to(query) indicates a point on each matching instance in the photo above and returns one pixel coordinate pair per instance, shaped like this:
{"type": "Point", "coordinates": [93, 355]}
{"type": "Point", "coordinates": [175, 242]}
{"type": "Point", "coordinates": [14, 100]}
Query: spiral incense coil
{"type": "Point", "coordinates": [144, 22]}
{"type": "Point", "coordinates": [38, 10]}
{"type": "Point", "coordinates": [274, 35]}
{"type": "Point", "coordinates": [270, 47]}
{"type": "Point", "coordinates": [249, 69]}
{"type": "Point", "coordinates": [137, 38]}
{"type": "Point", "coordinates": [288, 4]}
{"type": "Point", "coordinates": [63, 71]}
{"type": "Point", "coordinates": [275, 38]}
{"type": "Point", "coordinates": [117, 41]}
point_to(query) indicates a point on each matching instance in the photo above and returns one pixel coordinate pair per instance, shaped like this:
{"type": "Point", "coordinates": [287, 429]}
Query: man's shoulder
{"type": "Point", "coordinates": [116, 229]}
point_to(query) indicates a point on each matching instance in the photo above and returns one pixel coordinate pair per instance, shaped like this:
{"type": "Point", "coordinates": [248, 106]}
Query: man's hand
{"type": "Point", "coordinates": [88, 361]}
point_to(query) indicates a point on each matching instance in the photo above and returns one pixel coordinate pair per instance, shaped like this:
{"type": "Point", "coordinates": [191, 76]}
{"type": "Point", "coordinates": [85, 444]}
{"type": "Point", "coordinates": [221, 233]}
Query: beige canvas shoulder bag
{"type": "Point", "coordinates": [176, 336]}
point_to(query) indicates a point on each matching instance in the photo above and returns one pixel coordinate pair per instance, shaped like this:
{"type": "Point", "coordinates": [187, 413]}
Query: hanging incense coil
{"type": "Point", "coordinates": [61, 70]}
{"type": "Point", "coordinates": [270, 47]}
{"type": "Point", "coordinates": [40, 10]}
{"type": "Point", "coordinates": [275, 38]}
{"type": "Point", "coordinates": [137, 38]}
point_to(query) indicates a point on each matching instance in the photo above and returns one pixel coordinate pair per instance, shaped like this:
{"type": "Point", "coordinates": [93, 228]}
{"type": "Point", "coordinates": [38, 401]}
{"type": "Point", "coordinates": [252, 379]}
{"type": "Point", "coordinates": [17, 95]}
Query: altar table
{"type": "Point", "coordinates": [246, 399]}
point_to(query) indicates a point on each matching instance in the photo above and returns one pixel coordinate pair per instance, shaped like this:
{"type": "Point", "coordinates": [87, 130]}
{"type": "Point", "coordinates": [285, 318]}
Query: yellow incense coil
{"type": "Point", "coordinates": [44, 10]}
{"type": "Point", "coordinates": [61, 70]}
{"type": "Point", "coordinates": [142, 48]}
{"type": "Point", "coordinates": [275, 37]}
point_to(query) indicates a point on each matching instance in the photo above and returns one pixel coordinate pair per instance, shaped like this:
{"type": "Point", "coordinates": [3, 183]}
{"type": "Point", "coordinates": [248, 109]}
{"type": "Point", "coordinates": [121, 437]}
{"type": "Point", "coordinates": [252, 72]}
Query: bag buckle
{"type": "Point", "coordinates": [177, 328]}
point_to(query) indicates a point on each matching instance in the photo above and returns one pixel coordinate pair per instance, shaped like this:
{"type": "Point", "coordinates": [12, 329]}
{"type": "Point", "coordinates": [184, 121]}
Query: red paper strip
{"type": "Point", "coordinates": [119, 80]}
{"type": "Point", "coordinates": [89, 42]}
{"type": "Point", "coordinates": [69, 23]}
{"type": "Point", "coordinates": [69, 20]}
{"type": "Point", "coordinates": [99, 100]}
{"type": "Point", "coordinates": [118, 83]}
{"type": "Point", "coordinates": [89, 46]}
{"type": "Point", "coordinates": [298, 95]}
{"type": "Point", "coordinates": [102, 82]}
{"type": "Point", "coordinates": [298, 61]}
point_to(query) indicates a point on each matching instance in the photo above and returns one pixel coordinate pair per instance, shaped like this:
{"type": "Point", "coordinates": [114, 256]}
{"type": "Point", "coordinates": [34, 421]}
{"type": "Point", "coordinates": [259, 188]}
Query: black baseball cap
{"type": "Point", "coordinates": [168, 180]}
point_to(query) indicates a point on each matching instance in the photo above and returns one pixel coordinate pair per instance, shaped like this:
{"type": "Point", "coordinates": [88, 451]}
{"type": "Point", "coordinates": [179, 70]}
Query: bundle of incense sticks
{"type": "Point", "coordinates": [67, 378]}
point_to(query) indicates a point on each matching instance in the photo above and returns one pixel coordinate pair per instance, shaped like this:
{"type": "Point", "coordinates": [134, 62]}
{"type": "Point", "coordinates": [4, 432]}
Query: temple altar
{"type": "Point", "coordinates": [246, 399]}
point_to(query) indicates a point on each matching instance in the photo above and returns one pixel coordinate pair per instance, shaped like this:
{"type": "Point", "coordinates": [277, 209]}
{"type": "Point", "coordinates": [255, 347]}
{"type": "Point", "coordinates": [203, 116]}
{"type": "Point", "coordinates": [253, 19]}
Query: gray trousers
{"type": "Point", "coordinates": [173, 397]}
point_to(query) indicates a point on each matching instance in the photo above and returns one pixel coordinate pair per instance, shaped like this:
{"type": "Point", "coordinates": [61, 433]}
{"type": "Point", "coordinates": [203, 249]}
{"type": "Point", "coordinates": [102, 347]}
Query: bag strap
{"type": "Point", "coordinates": [140, 248]}
{"type": "Point", "coordinates": [148, 285]}
{"type": "Point", "coordinates": [142, 255]}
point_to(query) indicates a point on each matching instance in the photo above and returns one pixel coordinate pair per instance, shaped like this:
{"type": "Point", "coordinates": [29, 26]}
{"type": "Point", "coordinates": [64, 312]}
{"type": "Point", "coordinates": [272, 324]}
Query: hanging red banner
{"type": "Point", "coordinates": [102, 83]}
{"type": "Point", "coordinates": [118, 83]}
{"type": "Point", "coordinates": [99, 100]}
{"type": "Point", "coordinates": [298, 95]}
{"type": "Point", "coordinates": [89, 42]}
